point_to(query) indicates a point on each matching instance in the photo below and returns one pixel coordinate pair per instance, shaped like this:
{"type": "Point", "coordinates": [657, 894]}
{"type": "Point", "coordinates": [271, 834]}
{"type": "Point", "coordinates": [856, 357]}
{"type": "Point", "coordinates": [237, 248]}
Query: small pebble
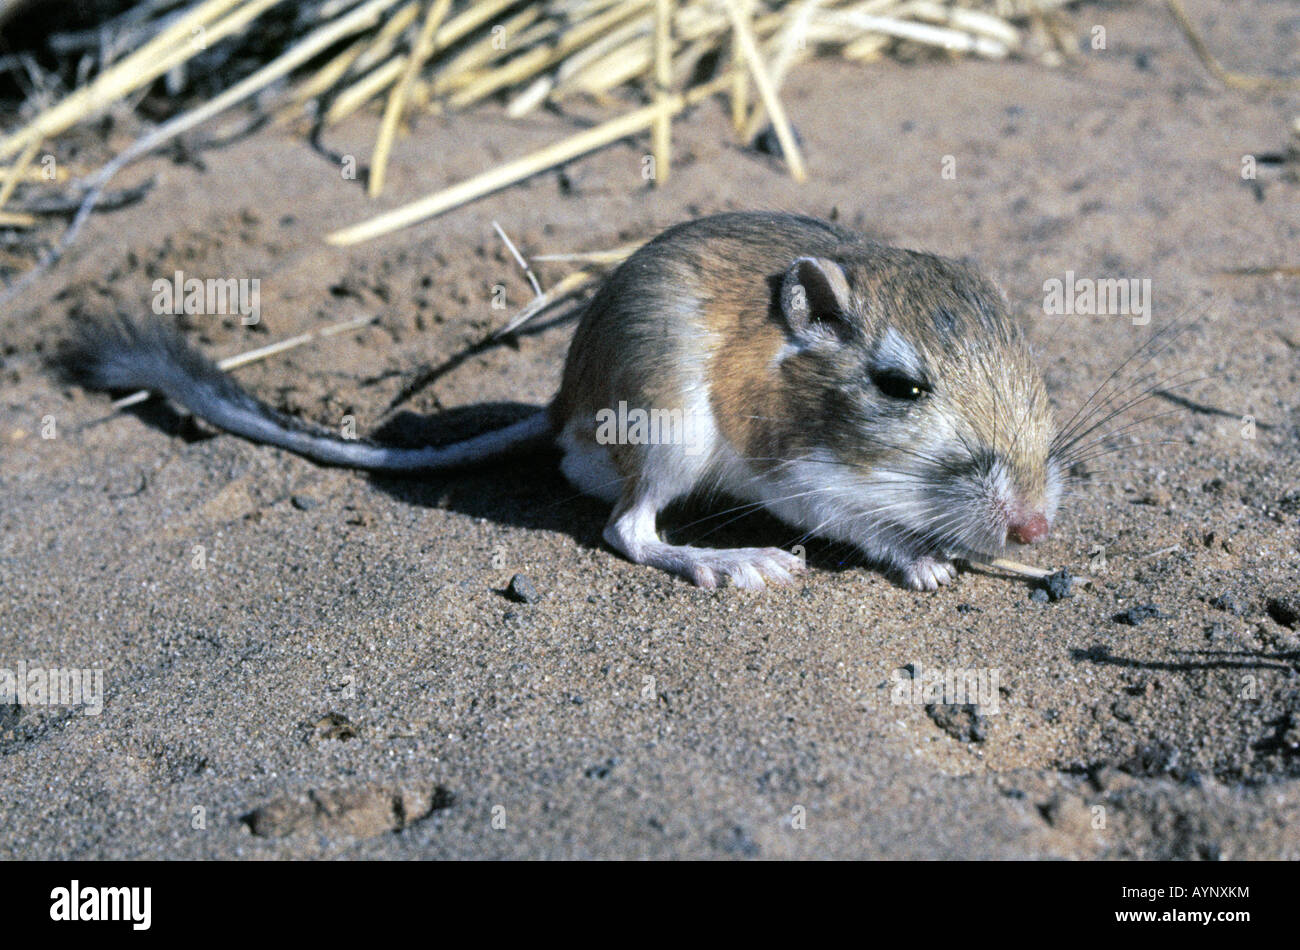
{"type": "Point", "coordinates": [1285, 609]}
{"type": "Point", "coordinates": [1039, 596]}
{"type": "Point", "coordinates": [1058, 585]}
{"type": "Point", "coordinates": [1139, 614]}
{"type": "Point", "coordinates": [768, 143]}
{"type": "Point", "coordinates": [963, 722]}
{"type": "Point", "coordinates": [521, 590]}
{"type": "Point", "coordinates": [303, 502]}
{"type": "Point", "coordinates": [334, 725]}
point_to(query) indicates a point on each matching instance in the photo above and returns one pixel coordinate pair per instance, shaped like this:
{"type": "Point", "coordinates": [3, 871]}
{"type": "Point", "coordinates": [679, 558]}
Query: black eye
{"type": "Point", "coordinates": [898, 385]}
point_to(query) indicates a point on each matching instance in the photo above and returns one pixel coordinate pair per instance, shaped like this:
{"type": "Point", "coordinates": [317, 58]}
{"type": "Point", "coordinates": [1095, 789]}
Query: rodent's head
{"type": "Point", "coordinates": [924, 398]}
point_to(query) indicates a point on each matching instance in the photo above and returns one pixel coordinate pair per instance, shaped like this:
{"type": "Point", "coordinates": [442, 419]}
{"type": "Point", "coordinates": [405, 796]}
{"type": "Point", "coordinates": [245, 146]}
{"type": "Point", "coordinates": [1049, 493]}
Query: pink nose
{"type": "Point", "coordinates": [1027, 530]}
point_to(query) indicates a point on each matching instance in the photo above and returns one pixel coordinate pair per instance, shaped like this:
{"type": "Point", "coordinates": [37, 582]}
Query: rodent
{"type": "Point", "coordinates": [868, 394]}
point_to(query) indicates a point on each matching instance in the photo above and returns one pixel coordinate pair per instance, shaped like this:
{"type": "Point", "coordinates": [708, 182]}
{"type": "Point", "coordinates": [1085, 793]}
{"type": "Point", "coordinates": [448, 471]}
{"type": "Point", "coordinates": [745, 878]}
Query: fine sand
{"type": "Point", "coordinates": [307, 662]}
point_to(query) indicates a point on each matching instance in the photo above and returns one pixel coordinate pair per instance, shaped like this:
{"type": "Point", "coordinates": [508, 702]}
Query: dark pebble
{"type": "Point", "coordinates": [1139, 614]}
{"type": "Point", "coordinates": [963, 722]}
{"type": "Point", "coordinates": [521, 590]}
{"type": "Point", "coordinates": [303, 502]}
{"type": "Point", "coordinates": [767, 142]}
{"type": "Point", "coordinates": [1058, 585]}
{"type": "Point", "coordinates": [1285, 609]}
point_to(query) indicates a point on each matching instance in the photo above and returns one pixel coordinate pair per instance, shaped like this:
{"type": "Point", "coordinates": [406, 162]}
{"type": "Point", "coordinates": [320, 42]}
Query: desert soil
{"type": "Point", "coordinates": [300, 661]}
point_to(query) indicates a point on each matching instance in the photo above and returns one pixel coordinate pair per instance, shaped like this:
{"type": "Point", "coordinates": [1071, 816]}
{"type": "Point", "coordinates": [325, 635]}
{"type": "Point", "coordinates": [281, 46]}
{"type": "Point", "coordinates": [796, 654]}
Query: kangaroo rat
{"type": "Point", "coordinates": [863, 393]}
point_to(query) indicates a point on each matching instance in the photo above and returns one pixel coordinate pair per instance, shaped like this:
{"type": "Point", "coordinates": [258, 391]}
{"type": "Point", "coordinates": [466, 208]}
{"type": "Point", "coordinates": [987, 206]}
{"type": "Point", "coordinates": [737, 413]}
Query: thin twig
{"type": "Point", "coordinates": [520, 260]}
{"type": "Point", "coordinates": [749, 50]}
{"type": "Point", "coordinates": [661, 131]}
{"type": "Point", "coordinates": [17, 171]}
{"type": "Point", "coordinates": [611, 256]}
{"type": "Point", "coordinates": [424, 48]}
{"type": "Point", "coordinates": [566, 288]}
{"type": "Point", "coordinates": [1009, 566]}
{"type": "Point", "coordinates": [1229, 78]}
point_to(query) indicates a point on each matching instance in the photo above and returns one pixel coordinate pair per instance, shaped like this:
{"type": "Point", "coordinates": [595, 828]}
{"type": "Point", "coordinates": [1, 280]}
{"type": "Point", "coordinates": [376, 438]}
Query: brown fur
{"type": "Point", "coordinates": [704, 295]}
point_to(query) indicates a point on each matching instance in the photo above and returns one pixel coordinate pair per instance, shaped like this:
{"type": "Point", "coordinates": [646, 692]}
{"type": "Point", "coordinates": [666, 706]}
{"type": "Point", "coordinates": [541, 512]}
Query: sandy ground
{"type": "Point", "coordinates": [344, 675]}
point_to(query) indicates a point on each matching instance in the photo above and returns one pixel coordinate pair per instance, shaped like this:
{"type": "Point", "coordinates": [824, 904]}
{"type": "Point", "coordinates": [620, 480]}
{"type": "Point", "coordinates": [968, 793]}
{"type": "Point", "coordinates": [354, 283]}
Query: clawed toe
{"type": "Point", "coordinates": [928, 573]}
{"type": "Point", "coordinates": [746, 568]}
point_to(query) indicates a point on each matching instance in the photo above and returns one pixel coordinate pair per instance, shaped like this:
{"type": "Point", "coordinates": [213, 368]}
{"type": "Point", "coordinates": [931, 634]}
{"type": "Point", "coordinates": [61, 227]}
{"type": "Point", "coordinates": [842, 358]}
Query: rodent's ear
{"type": "Point", "coordinates": [815, 296]}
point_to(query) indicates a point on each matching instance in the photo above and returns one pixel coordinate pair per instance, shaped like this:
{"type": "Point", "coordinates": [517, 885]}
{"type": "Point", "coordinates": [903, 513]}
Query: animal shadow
{"type": "Point", "coordinates": [529, 491]}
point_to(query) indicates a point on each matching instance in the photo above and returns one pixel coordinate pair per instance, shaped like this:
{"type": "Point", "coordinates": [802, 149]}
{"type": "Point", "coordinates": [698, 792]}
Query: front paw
{"type": "Point", "coordinates": [927, 573]}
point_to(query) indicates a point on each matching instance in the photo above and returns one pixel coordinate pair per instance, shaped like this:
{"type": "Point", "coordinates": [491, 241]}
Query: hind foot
{"type": "Point", "coordinates": [632, 532]}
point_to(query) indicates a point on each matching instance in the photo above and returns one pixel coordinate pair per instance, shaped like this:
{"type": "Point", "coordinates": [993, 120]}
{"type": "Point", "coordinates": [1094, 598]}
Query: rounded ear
{"type": "Point", "coordinates": [815, 297]}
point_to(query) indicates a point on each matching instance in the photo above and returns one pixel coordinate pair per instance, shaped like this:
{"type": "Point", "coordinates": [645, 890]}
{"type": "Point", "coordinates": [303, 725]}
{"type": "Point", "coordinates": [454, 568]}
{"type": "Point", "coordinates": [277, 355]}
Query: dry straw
{"type": "Point", "coordinates": [646, 59]}
{"type": "Point", "coordinates": [397, 99]}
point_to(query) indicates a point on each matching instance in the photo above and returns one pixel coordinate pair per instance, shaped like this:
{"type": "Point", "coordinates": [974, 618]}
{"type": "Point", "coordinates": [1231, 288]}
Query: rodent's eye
{"type": "Point", "coordinates": [898, 385]}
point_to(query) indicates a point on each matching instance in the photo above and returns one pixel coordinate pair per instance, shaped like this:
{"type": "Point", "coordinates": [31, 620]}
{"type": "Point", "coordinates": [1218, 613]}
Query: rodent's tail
{"type": "Point", "coordinates": [121, 353]}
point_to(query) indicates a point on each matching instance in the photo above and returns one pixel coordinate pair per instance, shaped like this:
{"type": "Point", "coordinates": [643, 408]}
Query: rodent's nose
{"type": "Point", "coordinates": [1028, 529]}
